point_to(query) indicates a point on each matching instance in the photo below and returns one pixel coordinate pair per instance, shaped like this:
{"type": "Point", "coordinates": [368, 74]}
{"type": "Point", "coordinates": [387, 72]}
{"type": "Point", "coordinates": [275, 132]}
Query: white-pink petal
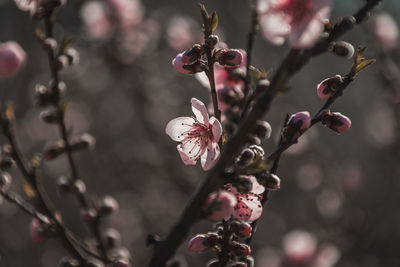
{"type": "Point", "coordinates": [177, 127]}
{"type": "Point", "coordinates": [210, 156]}
{"type": "Point", "coordinates": [200, 111]}
{"type": "Point", "coordinates": [216, 128]}
{"type": "Point", "coordinates": [185, 157]}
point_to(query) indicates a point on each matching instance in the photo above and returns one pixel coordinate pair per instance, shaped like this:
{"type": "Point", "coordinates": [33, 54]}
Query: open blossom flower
{"type": "Point", "coordinates": [248, 207]}
{"type": "Point", "coordinates": [28, 5]}
{"type": "Point", "coordinates": [301, 21]}
{"type": "Point", "coordinates": [198, 136]}
{"type": "Point", "coordinates": [12, 57]}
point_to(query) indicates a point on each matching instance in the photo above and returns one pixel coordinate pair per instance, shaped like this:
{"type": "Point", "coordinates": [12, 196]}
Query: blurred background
{"type": "Point", "coordinates": [339, 195]}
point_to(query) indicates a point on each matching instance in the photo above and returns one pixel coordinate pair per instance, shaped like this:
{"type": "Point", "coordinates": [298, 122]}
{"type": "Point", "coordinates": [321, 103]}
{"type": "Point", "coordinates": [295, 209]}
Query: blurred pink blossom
{"type": "Point", "coordinates": [198, 243]}
{"type": "Point", "coordinates": [386, 31]}
{"type": "Point", "coordinates": [128, 12]}
{"type": "Point", "coordinates": [95, 18]}
{"type": "Point", "coordinates": [180, 33]}
{"type": "Point", "coordinates": [299, 247]}
{"type": "Point", "coordinates": [301, 21]}
{"type": "Point", "coordinates": [198, 136]}
{"type": "Point", "coordinates": [12, 57]}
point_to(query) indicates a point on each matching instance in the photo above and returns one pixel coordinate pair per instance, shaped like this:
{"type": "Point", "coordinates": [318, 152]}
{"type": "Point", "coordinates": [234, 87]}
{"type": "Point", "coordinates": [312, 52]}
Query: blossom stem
{"type": "Point", "coordinates": [94, 225]}
{"type": "Point", "coordinates": [224, 254]}
{"type": "Point", "coordinates": [293, 63]}
{"type": "Point", "coordinates": [211, 79]}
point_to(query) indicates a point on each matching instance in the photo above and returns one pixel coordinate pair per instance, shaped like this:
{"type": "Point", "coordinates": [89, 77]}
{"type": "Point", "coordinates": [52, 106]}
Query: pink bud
{"type": "Point", "coordinates": [230, 57]}
{"type": "Point", "coordinates": [300, 120]}
{"type": "Point", "coordinates": [36, 230]}
{"type": "Point", "coordinates": [198, 243]}
{"type": "Point", "coordinates": [242, 229]}
{"type": "Point", "coordinates": [192, 55]}
{"type": "Point", "coordinates": [12, 57]}
{"type": "Point", "coordinates": [339, 123]}
{"type": "Point", "coordinates": [222, 207]}
{"type": "Point", "coordinates": [180, 66]}
{"type": "Point", "coordinates": [240, 249]}
{"type": "Point", "coordinates": [327, 87]}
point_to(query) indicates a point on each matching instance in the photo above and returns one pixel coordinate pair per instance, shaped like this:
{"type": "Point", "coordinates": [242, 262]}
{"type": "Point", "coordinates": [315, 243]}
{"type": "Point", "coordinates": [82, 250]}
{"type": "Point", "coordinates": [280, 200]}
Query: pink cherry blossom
{"type": "Point", "coordinates": [180, 33]}
{"type": "Point", "coordinates": [198, 136]}
{"type": "Point", "coordinates": [300, 21]}
{"type": "Point", "coordinates": [198, 243]}
{"type": "Point", "coordinates": [95, 19]}
{"type": "Point", "coordinates": [248, 207]}
{"type": "Point", "coordinates": [12, 57]}
{"type": "Point", "coordinates": [129, 13]}
{"type": "Point", "coordinates": [386, 31]}
{"type": "Point", "coordinates": [28, 5]}
{"type": "Point", "coordinates": [300, 120]}
{"type": "Point", "coordinates": [222, 207]}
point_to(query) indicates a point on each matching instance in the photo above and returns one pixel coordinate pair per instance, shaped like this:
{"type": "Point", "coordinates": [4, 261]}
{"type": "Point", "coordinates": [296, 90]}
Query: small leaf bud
{"type": "Point", "coordinates": [263, 130]}
{"type": "Point", "coordinates": [343, 49]}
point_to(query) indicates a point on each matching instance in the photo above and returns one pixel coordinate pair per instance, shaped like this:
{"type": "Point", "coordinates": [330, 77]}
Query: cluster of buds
{"type": "Point", "coordinates": [226, 242]}
{"type": "Point", "coordinates": [64, 54]}
{"type": "Point", "coordinates": [194, 59]}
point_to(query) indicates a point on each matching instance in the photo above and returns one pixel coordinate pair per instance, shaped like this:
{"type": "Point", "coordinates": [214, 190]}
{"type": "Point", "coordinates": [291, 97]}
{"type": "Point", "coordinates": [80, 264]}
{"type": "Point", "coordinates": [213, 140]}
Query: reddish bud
{"type": "Point", "coordinates": [89, 214]}
{"type": "Point", "coordinates": [62, 62]}
{"type": "Point", "coordinates": [192, 55]}
{"type": "Point", "coordinates": [240, 249]}
{"type": "Point", "coordinates": [241, 229]}
{"type": "Point", "coordinates": [180, 66]}
{"type": "Point", "coordinates": [230, 57]}
{"type": "Point", "coordinates": [337, 122]}
{"type": "Point", "coordinates": [198, 243]}
{"type": "Point", "coordinates": [300, 120]}
{"type": "Point", "coordinates": [327, 87]}
{"type": "Point", "coordinates": [221, 208]}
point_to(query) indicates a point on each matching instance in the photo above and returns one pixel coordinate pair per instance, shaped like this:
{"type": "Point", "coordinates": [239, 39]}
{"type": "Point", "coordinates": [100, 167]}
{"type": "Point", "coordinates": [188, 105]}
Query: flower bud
{"type": "Point", "coordinates": [42, 95]}
{"type": "Point", "coordinates": [108, 205]}
{"type": "Point", "coordinates": [73, 56]}
{"type": "Point", "coordinates": [220, 208]}
{"type": "Point", "coordinates": [263, 130]}
{"type": "Point", "coordinates": [68, 262]}
{"type": "Point", "coordinates": [300, 121]}
{"type": "Point", "coordinates": [343, 49]}
{"type": "Point", "coordinates": [243, 184]}
{"type": "Point", "coordinates": [121, 263]}
{"type": "Point", "coordinates": [192, 55]}
{"type": "Point", "coordinates": [230, 57]}
{"type": "Point", "coordinates": [337, 122]}
{"type": "Point", "coordinates": [62, 62]}
{"type": "Point", "coordinates": [85, 141]}
{"type": "Point", "coordinates": [239, 264]}
{"type": "Point", "coordinates": [94, 263]}
{"type": "Point", "coordinates": [240, 249]}
{"type": "Point", "coordinates": [88, 214]}
{"type": "Point", "coordinates": [12, 57]}
{"type": "Point", "coordinates": [195, 67]}
{"type": "Point", "coordinates": [270, 181]}
{"type": "Point", "coordinates": [258, 151]}
{"type": "Point", "coordinates": [50, 44]}
{"type": "Point", "coordinates": [212, 40]}
{"type": "Point", "coordinates": [50, 116]}
{"type": "Point", "coordinates": [112, 238]}
{"type": "Point", "coordinates": [5, 181]}
{"type": "Point", "coordinates": [245, 157]}
{"type": "Point", "coordinates": [327, 87]}
{"type": "Point", "coordinates": [36, 230]}
{"type": "Point", "coordinates": [198, 243]}
{"type": "Point", "coordinates": [253, 140]}
{"type": "Point", "coordinates": [241, 229]}
{"type": "Point", "coordinates": [79, 186]}
{"type": "Point", "coordinates": [54, 150]}
{"type": "Point", "coordinates": [64, 184]}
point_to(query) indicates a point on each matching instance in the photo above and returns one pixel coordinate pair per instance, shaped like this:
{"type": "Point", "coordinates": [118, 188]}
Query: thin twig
{"type": "Point", "coordinates": [166, 248]}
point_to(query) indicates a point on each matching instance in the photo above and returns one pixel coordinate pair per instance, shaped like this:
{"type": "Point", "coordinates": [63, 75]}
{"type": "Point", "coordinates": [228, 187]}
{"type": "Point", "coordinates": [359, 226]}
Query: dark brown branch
{"type": "Point", "coordinates": [295, 60]}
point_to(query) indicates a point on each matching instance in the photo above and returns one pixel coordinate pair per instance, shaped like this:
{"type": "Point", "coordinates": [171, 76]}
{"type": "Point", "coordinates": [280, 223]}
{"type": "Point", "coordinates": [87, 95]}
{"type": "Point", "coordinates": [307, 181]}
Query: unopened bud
{"type": "Point", "coordinates": [36, 230]}
{"type": "Point", "coordinates": [240, 249]}
{"type": "Point", "coordinates": [49, 116]}
{"type": "Point", "coordinates": [85, 141]}
{"type": "Point", "coordinates": [243, 184]}
{"type": "Point", "coordinates": [6, 163]}
{"type": "Point", "coordinates": [79, 186]}
{"type": "Point", "coordinates": [62, 62]}
{"type": "Point", "coordinates": [343, 49]}
{"type": "Point", "coordinates": [73, 56]}
{"type": "Point", "coordinates": [337, 122]}
{"type": "Point", "coordinates": [42, 95]}
{"type": "Point", "coordinates": [212, 40]}
{"type": "Point", "coordinates": [50, 44]}
{"type": "Point", "coordinates": [263, 130]}
{"type": "Point", "coordinates": [64, 184]}
{"type": "Point", "coordinates": [230, 57]}
{"type": "Point", "coordinates": [198, 243]}
{"type": "Point", "coordinates": [108, 205]}
{"type": "Point", "coordinates": [119, 253]}
{"type": "Point", "coordinates": [241, 229]}
{"type": "Point", "coordinates": [89, 214]}
{"type": "Point", "coordinates": [270, 181]}
{"type": "Point", "coordinates": [258, 151]}
{"type": "Point", "coordinates": [191, 55]}
{"type": "Point", "coordinates": [5, 181]}
{"type": "Point", "coordinates": [245, 157]}
{"type": "Point", "coordinates": [253, 140]}
{"type": "Point", "coordinates": [112, 238]}
{"type": "Point", "coordinates": [327, 87]}
{"type": "Point", "coordinates": [219, 206]}
{"type": "Point", "coordinates": [54, 150]}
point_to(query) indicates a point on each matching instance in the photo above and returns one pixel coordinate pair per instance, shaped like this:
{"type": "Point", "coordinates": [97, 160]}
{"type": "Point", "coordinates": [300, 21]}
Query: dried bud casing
{"type": "Point", "coordinates": [213, 263]}
{"type": "Point", "coordinates": [343, 49]}
{"type": "Point", "coordinates": [239, 264]}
